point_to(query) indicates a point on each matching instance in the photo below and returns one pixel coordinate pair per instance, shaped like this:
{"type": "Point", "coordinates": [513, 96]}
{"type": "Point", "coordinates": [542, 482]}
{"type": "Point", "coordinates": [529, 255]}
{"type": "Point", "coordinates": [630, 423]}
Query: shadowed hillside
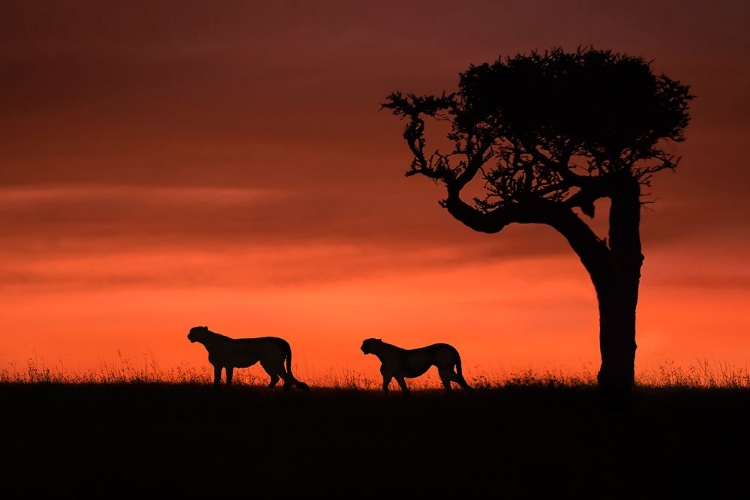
{"type": "Point", "coordinates": [176, 439]}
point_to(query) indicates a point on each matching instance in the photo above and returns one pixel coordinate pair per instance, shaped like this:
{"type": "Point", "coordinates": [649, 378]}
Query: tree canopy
{"type": "Point", "coordinates": [552, 126]}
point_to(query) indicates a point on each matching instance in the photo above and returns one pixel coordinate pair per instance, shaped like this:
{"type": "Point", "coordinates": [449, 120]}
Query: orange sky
{"type": "Point", "coordinates": [171, 164]}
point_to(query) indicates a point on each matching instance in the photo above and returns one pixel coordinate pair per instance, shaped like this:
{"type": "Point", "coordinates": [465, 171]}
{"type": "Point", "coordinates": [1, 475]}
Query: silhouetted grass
{"type": "Point", "coordinates": [529, 436]}
{"type": "Point", "coordinates": [701, 374]}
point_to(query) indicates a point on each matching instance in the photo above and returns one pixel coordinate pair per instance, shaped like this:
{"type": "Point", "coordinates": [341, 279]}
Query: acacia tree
{"type": "Point", "coordinates": [546, 135]}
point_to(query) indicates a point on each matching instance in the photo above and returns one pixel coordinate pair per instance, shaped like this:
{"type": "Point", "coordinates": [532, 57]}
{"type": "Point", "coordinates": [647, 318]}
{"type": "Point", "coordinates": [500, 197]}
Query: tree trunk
{"type": "Point", "coordinates": [617, 342]}
{"type": "Point", "coordinates": [617, 291]}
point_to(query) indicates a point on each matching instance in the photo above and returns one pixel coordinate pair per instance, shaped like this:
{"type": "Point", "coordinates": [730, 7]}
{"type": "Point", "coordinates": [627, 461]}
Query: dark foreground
{"type": "Point", "coordinates": [154, 440]}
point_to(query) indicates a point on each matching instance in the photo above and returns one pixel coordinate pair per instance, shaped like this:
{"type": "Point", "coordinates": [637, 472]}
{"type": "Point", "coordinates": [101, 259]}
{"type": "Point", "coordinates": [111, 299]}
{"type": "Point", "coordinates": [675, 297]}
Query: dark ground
{"type": "Point", "coordinates": [158, 440]}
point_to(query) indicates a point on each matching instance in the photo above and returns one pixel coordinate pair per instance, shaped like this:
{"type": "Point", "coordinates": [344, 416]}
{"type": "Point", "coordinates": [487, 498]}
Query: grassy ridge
{"type": "Point", "coordinates": [522, 441]}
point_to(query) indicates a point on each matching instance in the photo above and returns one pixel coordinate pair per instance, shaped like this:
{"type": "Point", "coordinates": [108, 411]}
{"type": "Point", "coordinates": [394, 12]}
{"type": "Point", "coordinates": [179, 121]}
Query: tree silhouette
{"type": "Point", "coordinates": [548, 134]}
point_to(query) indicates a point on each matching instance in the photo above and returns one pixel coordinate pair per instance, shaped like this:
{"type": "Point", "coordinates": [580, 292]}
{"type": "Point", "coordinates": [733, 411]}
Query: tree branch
{"type": "Point", "coordinates": [593, 251]}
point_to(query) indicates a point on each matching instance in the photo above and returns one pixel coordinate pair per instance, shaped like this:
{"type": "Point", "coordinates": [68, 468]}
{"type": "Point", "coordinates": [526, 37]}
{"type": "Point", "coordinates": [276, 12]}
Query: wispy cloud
{"type": "Point", "coordinates": [120, 218]}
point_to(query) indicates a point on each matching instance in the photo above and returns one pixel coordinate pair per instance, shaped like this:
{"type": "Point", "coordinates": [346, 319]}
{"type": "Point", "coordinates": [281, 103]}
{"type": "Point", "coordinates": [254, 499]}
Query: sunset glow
{"type": "Point", "coordinates": [166, 167]}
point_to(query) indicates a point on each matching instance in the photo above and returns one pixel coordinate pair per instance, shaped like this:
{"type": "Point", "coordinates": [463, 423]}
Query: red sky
{"type": "Point", "coordinates": [171, 164]}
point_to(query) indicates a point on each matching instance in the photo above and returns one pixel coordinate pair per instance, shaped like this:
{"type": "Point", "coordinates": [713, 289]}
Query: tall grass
{"type": "Point", "coordinates": [701, 374]}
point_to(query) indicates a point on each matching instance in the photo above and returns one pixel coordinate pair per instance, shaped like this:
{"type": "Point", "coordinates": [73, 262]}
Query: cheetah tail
{"type": "Point", "coordinates": [298, 383]}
